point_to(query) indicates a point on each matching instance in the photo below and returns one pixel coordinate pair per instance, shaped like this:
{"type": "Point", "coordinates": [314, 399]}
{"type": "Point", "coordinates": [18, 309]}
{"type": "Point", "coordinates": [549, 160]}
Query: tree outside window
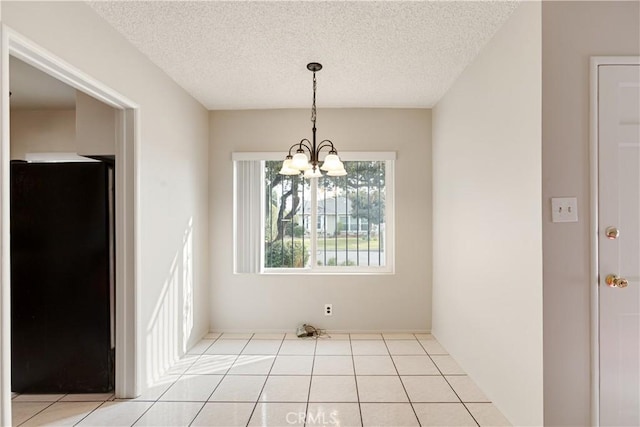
{"type": "Point", "coordinates": [332, 221]}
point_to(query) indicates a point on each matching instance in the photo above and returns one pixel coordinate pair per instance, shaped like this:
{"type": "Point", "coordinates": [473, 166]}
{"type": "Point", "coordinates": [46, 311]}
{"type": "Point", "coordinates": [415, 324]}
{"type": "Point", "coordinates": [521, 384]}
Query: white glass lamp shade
{"type": "Point", "coordinates": [337, 172]}
{"type": "Point", "coordinates": [306, 167]}
{"type": "Point", "coordinates": [312, 173]}
{"type": "Point", "coordinates": [287, 169]}
{"type": "Point", "coordinates": [331, 162]}
{"type": "Point", "coordinates": [300, 161]}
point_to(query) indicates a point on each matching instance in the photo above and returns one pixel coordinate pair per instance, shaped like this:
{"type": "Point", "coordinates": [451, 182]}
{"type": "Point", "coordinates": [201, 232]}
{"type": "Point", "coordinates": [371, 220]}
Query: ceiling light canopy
{"type": "Point", "coordinates": [306, 159]}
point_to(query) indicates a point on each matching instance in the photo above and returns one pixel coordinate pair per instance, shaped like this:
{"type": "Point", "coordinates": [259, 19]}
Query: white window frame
{"type": "Point", "coordinates": [240, 218]}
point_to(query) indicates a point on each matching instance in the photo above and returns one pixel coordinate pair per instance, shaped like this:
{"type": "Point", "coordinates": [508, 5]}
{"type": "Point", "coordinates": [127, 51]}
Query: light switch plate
{"type": "Point", "coordinates": [564, 209]}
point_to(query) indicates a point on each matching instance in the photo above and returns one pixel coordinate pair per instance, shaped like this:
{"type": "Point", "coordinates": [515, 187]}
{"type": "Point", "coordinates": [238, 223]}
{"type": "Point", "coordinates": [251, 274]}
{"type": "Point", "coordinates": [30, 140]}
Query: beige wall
{"type": "Point", "coordinates": [172, 171]}
{"type": "Point", "coordinates": [572, 32]}
{"type": "Point", "coordinates": [38, 131]}
{"type": "Point", "coordinates": [95, 126]}
{"type": "Point", "coordinates": [487, 263]}
{"type": "Point", "coordinates": [87, 130]}
{"type": "Point", "coordinates": [399, 302]}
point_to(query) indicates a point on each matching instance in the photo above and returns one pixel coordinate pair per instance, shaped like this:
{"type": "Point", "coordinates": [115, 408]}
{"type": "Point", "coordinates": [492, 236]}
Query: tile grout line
{"type": "Point", "coordinates": [449, 384]}
{"type": "Point", "coordinates": [461, 401]}
{"type": "Point", "coordinates": [60, 401]}
{"type": "Point", "coordinates": [41, 410]}
{"type": "Point", "coordinates": [200, 356]}
{"type": "Point", "coordinates": [221, 379]}
{"type": "Point", "coordinates": [187, 369]}
{"type": "Point", "coordinates": [313, 362]}
{"type": "Point", "coordinates": [266, 379]}
{"type": "Point", "coordinates": [318, 375]}
{"type": "Point", "coordinates": [92, 411]}
{"type": "Point", "coordinates": [415, 414]}
{"type": "Point", "coordinates": [355, 380]}
{"type": "Point", "coordinates": [290, 401]}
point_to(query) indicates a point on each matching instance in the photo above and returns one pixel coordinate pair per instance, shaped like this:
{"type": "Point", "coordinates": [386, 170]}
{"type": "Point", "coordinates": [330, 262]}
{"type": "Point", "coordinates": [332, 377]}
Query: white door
{"type": "Point", "coordinates": [619, 257]}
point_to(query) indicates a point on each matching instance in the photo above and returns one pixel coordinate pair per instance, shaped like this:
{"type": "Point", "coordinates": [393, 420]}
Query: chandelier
{"type": "Point", "coordinates": [307, 155]}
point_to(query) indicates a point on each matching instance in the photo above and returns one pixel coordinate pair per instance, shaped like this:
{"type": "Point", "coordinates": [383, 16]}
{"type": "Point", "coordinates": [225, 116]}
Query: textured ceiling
{"type": "Point", "coordinates": [241, 54]}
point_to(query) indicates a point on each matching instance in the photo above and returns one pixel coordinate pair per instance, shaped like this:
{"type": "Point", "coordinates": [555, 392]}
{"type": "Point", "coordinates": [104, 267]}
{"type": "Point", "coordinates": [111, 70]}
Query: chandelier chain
{"type": "Point", "coordinates": [313, 107]}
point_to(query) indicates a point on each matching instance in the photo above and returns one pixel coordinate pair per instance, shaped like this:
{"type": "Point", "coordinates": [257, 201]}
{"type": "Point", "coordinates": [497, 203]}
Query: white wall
{"type": "Point", "coordinates": [172, 171]}
{"type": "Point", "coordinates": [38, 131]}
{"type": "Point", "coordinates": [572, 32]}
{"type": "Point", "coordinates": [487, 264]}
{"type": "Point", "coordinates": [279, 303]}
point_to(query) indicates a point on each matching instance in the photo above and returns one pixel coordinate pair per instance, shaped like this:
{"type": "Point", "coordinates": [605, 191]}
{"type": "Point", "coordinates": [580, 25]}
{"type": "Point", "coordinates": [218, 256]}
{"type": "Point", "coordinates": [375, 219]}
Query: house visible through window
{"type": "Point", "coordinates": [327, 224]}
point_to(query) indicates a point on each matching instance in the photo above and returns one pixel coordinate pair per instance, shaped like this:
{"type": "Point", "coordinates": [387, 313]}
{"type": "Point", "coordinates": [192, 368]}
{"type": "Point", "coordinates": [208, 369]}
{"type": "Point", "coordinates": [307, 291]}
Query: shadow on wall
{"type": "Point", "coordinates": [171, 324]}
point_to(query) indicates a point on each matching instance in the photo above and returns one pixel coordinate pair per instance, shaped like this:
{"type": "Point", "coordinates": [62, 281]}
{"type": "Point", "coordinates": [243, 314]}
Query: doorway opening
{"type": "Point", "coordinates": [16, 47]}
{"type": "Point", "coordinates": [62, 151]}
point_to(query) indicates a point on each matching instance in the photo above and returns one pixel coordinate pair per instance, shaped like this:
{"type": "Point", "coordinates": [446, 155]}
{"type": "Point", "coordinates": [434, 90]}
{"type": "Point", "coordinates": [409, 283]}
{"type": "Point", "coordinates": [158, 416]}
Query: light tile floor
{"type": "Point", "coordinates": [280, 380]}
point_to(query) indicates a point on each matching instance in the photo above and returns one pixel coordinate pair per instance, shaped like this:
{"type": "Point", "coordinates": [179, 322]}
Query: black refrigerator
{"type": "Point", "coordinates": [62, 277]}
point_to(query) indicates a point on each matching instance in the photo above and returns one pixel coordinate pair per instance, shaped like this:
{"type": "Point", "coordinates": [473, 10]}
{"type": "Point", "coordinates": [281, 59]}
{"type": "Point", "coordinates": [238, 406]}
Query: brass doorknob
{"type": "Point", "coordinates": [616, 282]}
{"type": "Point", "coordinates": [612, 233]}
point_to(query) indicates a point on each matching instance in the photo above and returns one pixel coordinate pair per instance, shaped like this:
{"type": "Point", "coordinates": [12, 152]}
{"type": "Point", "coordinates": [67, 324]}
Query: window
{"type": "Point", "coordinates": [327, 224]}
